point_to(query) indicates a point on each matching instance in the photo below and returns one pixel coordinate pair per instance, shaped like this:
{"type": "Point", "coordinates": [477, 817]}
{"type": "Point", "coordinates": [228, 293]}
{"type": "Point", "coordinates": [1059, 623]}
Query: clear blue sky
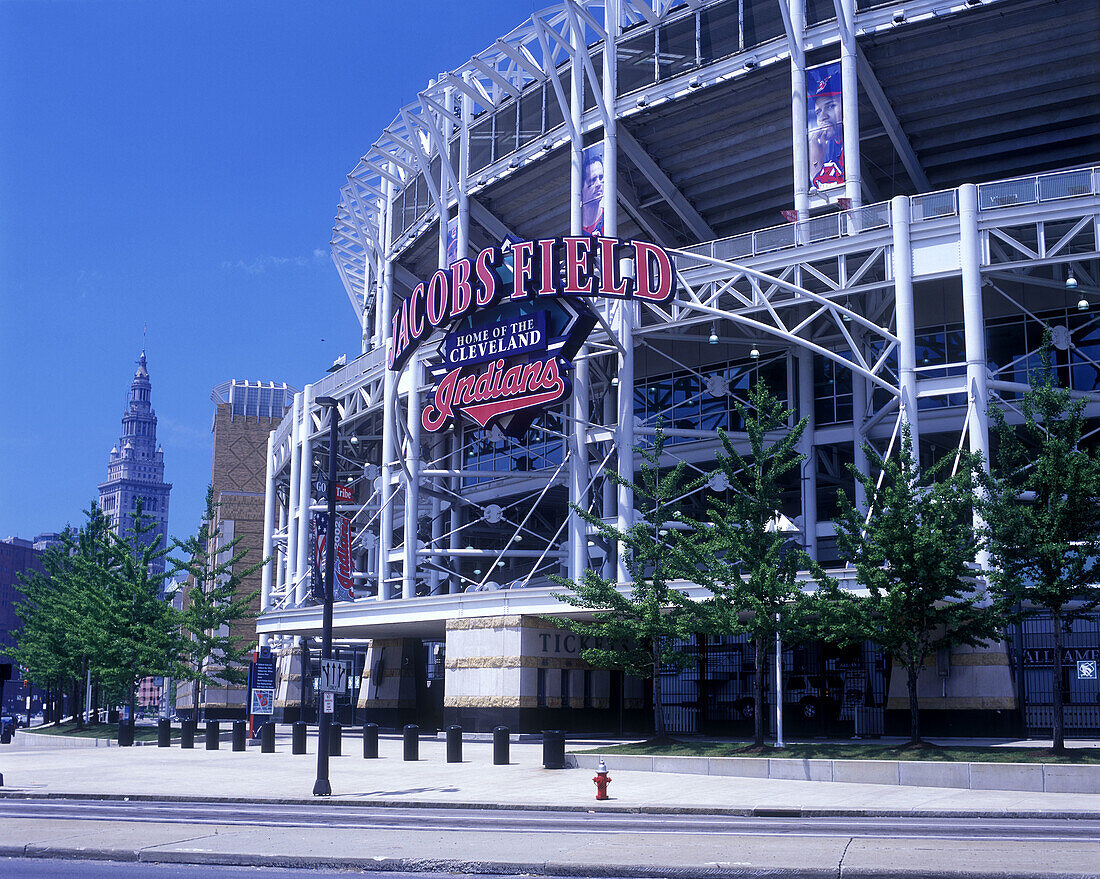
{"type": "Point", "coordinates": [176, 163]}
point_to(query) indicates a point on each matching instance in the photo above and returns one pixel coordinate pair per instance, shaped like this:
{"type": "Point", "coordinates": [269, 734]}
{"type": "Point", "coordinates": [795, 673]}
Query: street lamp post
{"type": "Point", "coordinates": [321, 787]}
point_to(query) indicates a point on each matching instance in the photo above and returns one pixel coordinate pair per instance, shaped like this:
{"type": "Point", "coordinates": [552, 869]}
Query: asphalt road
{"type": "Point", "coordinates": [435, 820]}
{"type": "Point", "coordinates": [443, 842]}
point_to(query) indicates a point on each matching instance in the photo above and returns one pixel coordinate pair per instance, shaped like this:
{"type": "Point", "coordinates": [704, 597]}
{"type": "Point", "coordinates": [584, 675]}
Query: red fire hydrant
{"type": "Point", "coordinates": [602, 780]}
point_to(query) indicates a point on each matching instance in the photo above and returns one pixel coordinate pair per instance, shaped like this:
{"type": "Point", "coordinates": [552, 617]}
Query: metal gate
{"type": "Point", "coordinates": [1033, 654]}
{"type": "Point", "coordinates": [826, 691]}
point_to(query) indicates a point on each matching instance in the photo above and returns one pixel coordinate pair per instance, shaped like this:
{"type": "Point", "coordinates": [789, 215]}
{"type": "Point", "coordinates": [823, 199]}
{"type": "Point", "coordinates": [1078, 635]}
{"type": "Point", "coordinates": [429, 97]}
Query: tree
{"type": "Point", "coordinates": [744, 558]}
{"type": "Point", "coordinates": [914, 555]}
{"type": "Point", "coordinates": [1042, 515]}
{"type": "Point", "coordinates": [640, 631]}
{"type": "Point", "coordinates": [60, 638]}
{"type": "Point", "coordinates": [216, 600]}
{"type": "Point", "coordinates": [140, 631]}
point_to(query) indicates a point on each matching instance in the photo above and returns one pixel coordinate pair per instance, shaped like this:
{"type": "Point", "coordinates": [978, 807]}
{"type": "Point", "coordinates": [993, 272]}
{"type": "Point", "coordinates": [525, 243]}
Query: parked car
{"type": "Point", "coordinates": [816, 696]}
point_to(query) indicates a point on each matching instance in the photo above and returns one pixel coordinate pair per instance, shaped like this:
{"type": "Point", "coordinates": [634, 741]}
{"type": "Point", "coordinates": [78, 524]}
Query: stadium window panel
{"type": "Point", "coordinates": [636, 62]}
{"type": "Point", "coordinates": [530, 114]}
{"type": "Point", "coordinates": [763, 21]}
{"type": "Point", "coordinates": [720, 31]}
{"type": "Point", "coordinates": [554, 116]}
{"type": "Point", "coordinates": [253, 407]}
{"type": "Point", "coordinates": [676, 48]}
{"type": "Point", "coordinates": [265, 402]}
{"type": "Point", "coordinates": [507, 120]}
{"type": "Point", "coordinates": [818, 11]}
{"type": "Point", "coordinates": [481, 144]}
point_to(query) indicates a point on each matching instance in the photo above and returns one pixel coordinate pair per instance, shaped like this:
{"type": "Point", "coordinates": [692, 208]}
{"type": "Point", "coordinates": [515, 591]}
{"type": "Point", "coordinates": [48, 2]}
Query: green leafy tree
{"type": "Point", "coordinates": [60, 637]}
{"type": "Point", "coordinates": [640, 631]}
{"type": "Point", "coordinates": [140, 631]}
{"type": "Point", "coordinates": [744, 558]}
{"type": "Point", "coordinates": [1042, 514]}
{"type": "Point", "coordinates": [216, 601]}
{"type": "Point", "coordinates": [914, 555]}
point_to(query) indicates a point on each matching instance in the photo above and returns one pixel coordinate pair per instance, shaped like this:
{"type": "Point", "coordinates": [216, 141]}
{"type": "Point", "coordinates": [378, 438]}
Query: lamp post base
{"type": "Point", "coordinates": [322, 788]}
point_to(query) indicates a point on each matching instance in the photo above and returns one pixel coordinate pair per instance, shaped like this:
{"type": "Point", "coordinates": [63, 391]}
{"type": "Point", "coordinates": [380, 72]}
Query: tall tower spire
{"type": "Point", "coordinates": [135, 468]}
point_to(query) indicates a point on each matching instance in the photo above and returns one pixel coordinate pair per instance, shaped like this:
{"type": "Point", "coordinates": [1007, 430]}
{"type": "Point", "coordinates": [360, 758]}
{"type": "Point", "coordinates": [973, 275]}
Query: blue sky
{"type": "Point", "coordinates": [176, 164]}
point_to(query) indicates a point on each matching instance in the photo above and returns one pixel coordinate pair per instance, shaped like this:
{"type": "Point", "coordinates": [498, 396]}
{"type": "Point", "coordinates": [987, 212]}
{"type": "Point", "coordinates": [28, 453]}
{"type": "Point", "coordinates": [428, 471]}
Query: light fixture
{"type": "Point", "coordinates": [517, 539]}
{"type": "Point", "coordinates": [754, 353]}
{"type": "Point", "coordinates": [752, 62]}
{"type": "Point", "coordinates": [1071, 282]}
{"type": "Point", "coordinates": [614, 381]}
{"type": "Point", "coordinates": [695, 82]}
{"type": "Point", "coordinates": [845, 316]}
{"type": "Point", "coordinates": [477, 572]}
{"type": "Point", "coordinates": [1082, 304]}
{"type": "Point", "coordinates": [500, 564]}
{"type": "Point", "coordinates": [354, 440]}
{"type": "Point", "coordinates": [643, 101]}
{"type": "Point", "coordinates": [713, 340]}
{"type": "Point", "coordinates": [316, 462]}
{"type": "Point", "coordinates": [899, 16]}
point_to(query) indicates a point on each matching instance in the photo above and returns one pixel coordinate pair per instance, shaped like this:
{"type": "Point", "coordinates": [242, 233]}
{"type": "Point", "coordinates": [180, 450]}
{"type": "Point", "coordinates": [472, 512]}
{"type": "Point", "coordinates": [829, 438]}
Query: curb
{"type": "Point", "coordinates": [747, 812]}
{"type": "Point", "coordinates": [502, 868]}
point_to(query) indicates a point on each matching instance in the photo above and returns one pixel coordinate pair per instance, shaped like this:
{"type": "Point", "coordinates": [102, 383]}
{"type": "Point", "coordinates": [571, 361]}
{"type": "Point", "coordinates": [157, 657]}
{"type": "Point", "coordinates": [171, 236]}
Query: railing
{"type": "Point", "coordinates": [360, 366]}
{"type": "Point", "coordinates": [1034, 189]}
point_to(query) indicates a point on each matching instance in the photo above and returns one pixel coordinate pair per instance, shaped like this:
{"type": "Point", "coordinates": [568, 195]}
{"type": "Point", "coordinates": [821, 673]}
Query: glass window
{"type": "Point", "coordinates": [554, 116]}
{"type": "Point", "coordinates": [481, 144]}
{"type": "Point", "coordinates": [506, 129]}
{"type": "Point", "coordinates": [719, 31]}
{"type": "Point", "coordinates": [530, 115]}
{"type": "Point", "coordinates": [676, 48]}
{"type": "Point", "coordinates": [763, 21]}
{"type": "Point", "coordinates": [636, 64]}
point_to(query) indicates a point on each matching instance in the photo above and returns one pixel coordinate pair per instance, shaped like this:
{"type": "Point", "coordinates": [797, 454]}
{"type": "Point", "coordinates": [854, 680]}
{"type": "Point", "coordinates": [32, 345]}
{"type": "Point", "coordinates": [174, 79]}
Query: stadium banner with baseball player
{"type": "Point", "coordinates": [825, 132]}
{"type": "Point", "coordinates": [592, 189]}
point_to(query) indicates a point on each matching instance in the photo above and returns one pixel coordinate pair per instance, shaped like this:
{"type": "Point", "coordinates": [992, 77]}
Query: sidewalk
{"type": "Point", "coordinates": [36, 766]}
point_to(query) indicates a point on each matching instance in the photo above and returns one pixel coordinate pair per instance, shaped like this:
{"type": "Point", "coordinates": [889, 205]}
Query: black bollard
{"type": "Point", "coordinates": [125, 733]}
{"type": "Point", "coordinates": [187, 734]}
{"type": "Point", "coordinates": [239, 734]}
{"type": "Point", "coordinates": [454, 744]}
{"type": "Point", "coordinates": [267, 738]}
{"type": "Point", "coordinates": [298, 737]}
{"type": "Point", "coordinates": [500, 746]}
{"type": "Point", "coordinates": [213, 735]}
{"type": "Point", "coordinates": [412, 742]}
{"type": "Point", "coordinates": [335, 739]}
{"type": "Point", "coordinates": [370, 741]}
{"type": "Point", "coordinates": [553, 748]}
{"type": "Point", "coordinates": [164, 733]}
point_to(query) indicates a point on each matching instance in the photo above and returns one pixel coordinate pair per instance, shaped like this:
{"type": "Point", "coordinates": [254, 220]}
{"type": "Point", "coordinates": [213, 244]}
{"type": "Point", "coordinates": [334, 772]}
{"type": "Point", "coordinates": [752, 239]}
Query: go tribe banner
{"type": "Point", "coordinates": [517, 315]}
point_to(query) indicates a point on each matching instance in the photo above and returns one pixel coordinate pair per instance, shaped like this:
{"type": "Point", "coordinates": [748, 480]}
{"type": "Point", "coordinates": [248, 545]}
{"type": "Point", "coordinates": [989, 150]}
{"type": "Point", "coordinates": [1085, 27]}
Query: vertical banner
{"type": "Point", "coordinates": [826, 126]}
{"type": "Point", "coordinates": [342, 587]}
{"type": "Point", "coordinates": [452, 242]}
{"type": "Point", "coordinates": [592, 189]}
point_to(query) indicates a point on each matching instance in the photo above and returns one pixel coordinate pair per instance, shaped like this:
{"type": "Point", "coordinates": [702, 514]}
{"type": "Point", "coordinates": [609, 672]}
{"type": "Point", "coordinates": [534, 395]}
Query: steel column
{"type": "Point", "coordinates": [305, 490]}
{"type": "Point", "coordinates": [850, 102]}
{"type": "Point", "coordinates": [905, 317]}
{"type": "Point", "coordinates": [414, 370]}
{"type": "Point", "coordinates": [808, 466]}
{"type": "Point", "coordinates": [389, 417]}
{"type": "Point", "coordinates": [799, 108]}
{"type": "Point", "coordinates": [293, 519]}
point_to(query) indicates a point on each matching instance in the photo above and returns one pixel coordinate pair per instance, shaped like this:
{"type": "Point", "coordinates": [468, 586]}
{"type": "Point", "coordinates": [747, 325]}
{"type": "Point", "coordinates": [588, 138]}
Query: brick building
{"type": "Point", "coordinates": [245, 413]}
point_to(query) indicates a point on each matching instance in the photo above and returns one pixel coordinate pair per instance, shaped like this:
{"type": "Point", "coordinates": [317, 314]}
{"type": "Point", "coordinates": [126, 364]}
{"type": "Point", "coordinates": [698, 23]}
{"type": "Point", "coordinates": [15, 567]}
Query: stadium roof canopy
{"type": "Point", "coordinates": [952, 91]}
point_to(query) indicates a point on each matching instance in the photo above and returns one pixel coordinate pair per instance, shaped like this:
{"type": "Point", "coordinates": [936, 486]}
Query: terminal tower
{"type": "Point", "coordinates": [136, 467]}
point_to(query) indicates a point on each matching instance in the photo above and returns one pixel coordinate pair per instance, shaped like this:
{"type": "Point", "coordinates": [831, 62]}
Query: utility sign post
{"type": "Point", "coordinates": [334, 676]}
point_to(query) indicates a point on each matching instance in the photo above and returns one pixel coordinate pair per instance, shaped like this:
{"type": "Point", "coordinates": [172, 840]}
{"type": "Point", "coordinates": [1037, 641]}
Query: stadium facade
{"type": "Point", "coordinates": [875, 208]}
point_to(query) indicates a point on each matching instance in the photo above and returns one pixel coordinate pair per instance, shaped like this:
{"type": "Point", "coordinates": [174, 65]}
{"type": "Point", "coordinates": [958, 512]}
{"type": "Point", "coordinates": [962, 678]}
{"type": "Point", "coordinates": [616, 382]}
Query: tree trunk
{"type": "Point", "coordinates": [912, 671]}
{"type": "Point", "coordinates": [758, 695]}
{"type": "Point", "coordinates": [658, 712]}
{"type": "Point", "coordinates": [1058, 732]}
{"type": "Point", "coordinates": [77, 717]}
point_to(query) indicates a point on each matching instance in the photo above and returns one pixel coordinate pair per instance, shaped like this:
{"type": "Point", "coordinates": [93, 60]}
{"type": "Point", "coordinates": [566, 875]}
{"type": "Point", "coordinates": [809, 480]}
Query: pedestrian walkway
{"type": "Point", "coordinates": [39, 765]}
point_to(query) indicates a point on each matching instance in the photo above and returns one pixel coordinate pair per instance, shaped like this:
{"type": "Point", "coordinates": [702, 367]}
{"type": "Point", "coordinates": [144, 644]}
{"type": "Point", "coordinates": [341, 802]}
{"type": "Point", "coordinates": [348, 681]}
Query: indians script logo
{"type": "Point", "coordinates": [518, 316]}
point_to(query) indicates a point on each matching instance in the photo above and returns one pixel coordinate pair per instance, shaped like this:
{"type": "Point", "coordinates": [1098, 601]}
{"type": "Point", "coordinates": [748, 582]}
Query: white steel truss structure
{"type": "Point", "coordinates": [863, 314]}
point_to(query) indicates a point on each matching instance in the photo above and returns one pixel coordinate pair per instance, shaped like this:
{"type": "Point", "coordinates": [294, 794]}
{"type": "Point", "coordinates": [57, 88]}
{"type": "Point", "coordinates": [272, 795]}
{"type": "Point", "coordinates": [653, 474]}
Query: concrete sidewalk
{"type": "Point", "coordinates": [37, 766]}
